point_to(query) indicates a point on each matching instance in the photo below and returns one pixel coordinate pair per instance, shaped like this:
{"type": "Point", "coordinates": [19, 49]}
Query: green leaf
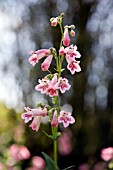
{"type": "Point", "coordinates": [49, 136]}
{"type": "Point", "coordinates": [49, 161]}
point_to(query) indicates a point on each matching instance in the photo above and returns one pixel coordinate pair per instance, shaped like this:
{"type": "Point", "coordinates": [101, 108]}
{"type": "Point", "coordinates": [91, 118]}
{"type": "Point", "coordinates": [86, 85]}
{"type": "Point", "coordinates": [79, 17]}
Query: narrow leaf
{"type": "Point", "coordinates": [49, 161]}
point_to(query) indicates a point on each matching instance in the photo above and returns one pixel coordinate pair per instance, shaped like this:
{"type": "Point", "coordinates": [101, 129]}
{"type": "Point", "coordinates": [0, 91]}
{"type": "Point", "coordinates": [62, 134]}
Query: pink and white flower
{"type": "Point", "coordinates": [36, 114]}
{"type": "Point", "coordinates": [41, 53]}
{"type": "Point", "coordinates": [36, 123]}
{"type": "Point", "coordinates": [63, 84]}
{"type": "Point", "coordinates": [65, 118]}
{"type": "Point", "coordinates": [73, 65]}
{"type": "Point", "coordinates": [46, 64]}
{"type": "Point", "coordinates": [33, 59]}
{"type": "Point", "coordinates": [28, 115]}
{"type": "Point", "coordinates": [42, 86]}
{"type": "Point", "coordinates": [52, 90]}
{"type": "Point", "coordinates": [72, 52]}
{"type": "Point", "coordinates": [37, 55]}
{"type": "Point", "coordinates": [54, 122]}
{"type": "Point", "coordinates": [66, 39]}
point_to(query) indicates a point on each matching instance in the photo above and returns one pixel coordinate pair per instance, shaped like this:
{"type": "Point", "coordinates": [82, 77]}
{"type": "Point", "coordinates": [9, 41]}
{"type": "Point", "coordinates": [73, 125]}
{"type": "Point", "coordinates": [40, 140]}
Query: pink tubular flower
{"type": "Point", "coordinates": [41, 53]}
{"type": "Point", "coordinates": [37, 55]}
{"type": "Point", "coordinates": [28, 115]}
{"type": "Point", "coordinates": [37, 119]}
{"type": "Point", "coordinates": [54, 22]}
{"type": "Point", "coordinates": [54, 122]}
{"type": "Point", "coordinates": [71, 52]}
{"type": "Point", "coordinates": [73, 66]}
{"type": "Point", "coordinates": [66, 39]}
{"type": "Point", "coordinates": [36, 114]}
{"type": "Point", "coordinates": [52, 90]}
{"type": "Point", "coordinates": [46, 64]}
{"type": "Point", "coordinates": [107, 153]}
{"type": "Point", "coordinates": [42, 86]}
{"type": "Point", "coordinates": [62, 51]}
{"type": "Point", "coordinates": [36, 123]}
{"type": "Point", "coordinates": [63, 84]}
{"type": "Point", "coordinates": [33, 59]}
{"type": "Point", "coordinates": [65, 118]}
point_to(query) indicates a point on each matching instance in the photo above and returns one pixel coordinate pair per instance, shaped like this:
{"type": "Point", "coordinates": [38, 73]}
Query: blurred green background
{"type": "Point", "coordinates": [25, 26]}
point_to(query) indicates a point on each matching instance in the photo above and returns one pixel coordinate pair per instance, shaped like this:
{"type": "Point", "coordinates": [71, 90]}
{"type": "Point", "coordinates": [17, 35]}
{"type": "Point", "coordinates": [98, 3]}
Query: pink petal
{"type": "Point", "coordinates": [35, 123]}
{"type": "Point", "coordinates": [46, 64]}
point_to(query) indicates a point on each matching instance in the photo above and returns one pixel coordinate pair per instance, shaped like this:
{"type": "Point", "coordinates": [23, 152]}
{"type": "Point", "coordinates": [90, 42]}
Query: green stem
{"type": "Point", "coordinates": [60, 58]}
{"type": "Point", "coordinates": [59, 61]}
{"type": "Point", "coordinates": [55, 154]}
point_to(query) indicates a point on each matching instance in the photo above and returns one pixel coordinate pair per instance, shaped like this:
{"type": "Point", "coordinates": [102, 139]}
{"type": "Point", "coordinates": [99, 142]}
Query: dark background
{"type": "Point", "coordinates": [25, 26]}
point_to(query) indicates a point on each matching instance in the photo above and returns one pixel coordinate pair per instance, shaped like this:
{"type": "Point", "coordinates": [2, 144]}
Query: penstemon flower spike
{"type": "Point", "coordinates": [53, 83]}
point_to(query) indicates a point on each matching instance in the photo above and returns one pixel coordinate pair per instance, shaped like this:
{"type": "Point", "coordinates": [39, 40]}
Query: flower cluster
{"type": "Point", "coordinates": [70, 53]}
{"type": "Point", "coordinates": [53, 83]}
{"type": "Point", "coordinates": [37, 113]}
{"type": "Point", "coordinates": [50, 86]}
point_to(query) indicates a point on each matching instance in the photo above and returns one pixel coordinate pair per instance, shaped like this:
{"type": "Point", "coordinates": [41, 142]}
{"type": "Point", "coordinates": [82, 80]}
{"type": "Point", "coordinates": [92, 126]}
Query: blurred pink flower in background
{"type": "Point", "coordinates": [38, 163]}
{"type": "Point", "coordinates": [100, 166]}
{"type": "Point", "coordinates": [107, 153]}
{"type": "Point", "coordinates": [84, 166]}
{"type": "Point", "coordinates": [1, 166]}
{"type": "Point", "coordinates": [19, 152]}
{"type": "Point", "coordinates": [64, 143]}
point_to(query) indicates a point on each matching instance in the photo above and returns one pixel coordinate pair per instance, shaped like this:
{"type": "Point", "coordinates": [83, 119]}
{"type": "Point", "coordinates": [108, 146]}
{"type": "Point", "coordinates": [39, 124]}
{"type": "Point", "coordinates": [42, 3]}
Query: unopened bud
{"type": "Point", "coordinates": [54, 22]}
{"type": "Point", "coordinates": [72, 33]}
{"type": "Point", "coordinates": [72, 26]}
{"type": "Point", "coordinates": [62, 15]}
{"type": "Point", "coordinates": [53, 50]}
{"type": "Point", "coordinates": [54, 122]}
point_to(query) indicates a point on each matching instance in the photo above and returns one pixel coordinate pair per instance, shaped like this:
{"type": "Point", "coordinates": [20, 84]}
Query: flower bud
{"type": "Point", "coordinates": [61, 51]}
{"type": "Point", "coordinates": [62, 15]}
{"type": "Point", "coordinates": [54, 22]}
{"type": "Point", "coordinates": [66, 39]}
{"type": "Point", "coordinates": [72, 33]}
{"type": "Point", "coordinates": [72, 26]}
{"type": "Point", "coordinates": [54, 120]}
